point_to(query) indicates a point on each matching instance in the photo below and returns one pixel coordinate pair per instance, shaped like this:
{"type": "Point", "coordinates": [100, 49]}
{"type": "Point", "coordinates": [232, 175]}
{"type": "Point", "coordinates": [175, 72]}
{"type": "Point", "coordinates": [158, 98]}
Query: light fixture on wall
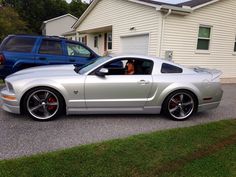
{"type": "Point", "coordinates": [132, 28]}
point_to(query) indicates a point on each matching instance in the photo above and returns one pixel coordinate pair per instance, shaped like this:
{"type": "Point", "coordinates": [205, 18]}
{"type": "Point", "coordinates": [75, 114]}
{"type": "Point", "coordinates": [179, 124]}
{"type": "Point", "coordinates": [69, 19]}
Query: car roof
{"type": "Point", "coordinates": [38, 36]}
{"type": "Point", "coordinates": [153, 58]}
{"type": "Point", "coordinates": [45, 37]}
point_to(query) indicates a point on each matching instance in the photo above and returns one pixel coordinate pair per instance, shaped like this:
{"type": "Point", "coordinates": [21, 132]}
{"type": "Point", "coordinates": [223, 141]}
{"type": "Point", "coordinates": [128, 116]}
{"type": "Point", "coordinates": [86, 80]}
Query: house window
{"type": "Point", "coordinates": [109, 41]}
{"type": "Point", "coordinates": [83, 40]}
{"type": "Point", "coordinates": [204, 37]}
{"type": "Point", "coordinates": [235, 45]}
{"type": "Point", "coordinates": [95, 41]}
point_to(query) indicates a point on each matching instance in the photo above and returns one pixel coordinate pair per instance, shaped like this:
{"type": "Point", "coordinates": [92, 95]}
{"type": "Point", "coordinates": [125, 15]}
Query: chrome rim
{"type": "Point", "coordinates": [181, 105]}
{"type": "Point", "coordinates": [42, 104]}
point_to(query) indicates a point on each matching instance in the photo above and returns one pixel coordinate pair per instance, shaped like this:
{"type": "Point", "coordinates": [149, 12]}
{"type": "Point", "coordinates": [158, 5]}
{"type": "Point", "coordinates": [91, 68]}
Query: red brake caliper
{"type": "Point", "coordinates": [173, 104]}
{"type": "Point", "coordinates": [52, 100]}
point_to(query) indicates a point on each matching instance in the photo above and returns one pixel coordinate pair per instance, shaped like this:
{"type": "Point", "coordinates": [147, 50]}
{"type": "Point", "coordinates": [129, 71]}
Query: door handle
{"type": "Point", "coordinates": [42, 58]}
{"type": "Point", "coordinates": [72, 60]}
{"type": "Point", "coordinates": [143, 82]}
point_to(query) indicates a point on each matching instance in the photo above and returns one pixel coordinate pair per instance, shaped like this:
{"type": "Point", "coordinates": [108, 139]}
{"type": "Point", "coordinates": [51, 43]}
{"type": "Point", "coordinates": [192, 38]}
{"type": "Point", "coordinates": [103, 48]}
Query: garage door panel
{"type": "Point", "coordinates": [135, 44]}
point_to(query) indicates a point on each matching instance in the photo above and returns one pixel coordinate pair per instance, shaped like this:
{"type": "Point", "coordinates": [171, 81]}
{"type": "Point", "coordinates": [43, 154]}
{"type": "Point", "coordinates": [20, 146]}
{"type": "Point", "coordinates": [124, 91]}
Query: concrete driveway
{"type": "Point", "coordinates": [20, 136]}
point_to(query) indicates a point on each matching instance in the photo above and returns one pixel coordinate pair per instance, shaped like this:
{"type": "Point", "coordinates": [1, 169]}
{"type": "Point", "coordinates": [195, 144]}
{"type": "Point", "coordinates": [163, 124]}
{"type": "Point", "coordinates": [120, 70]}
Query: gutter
{"type": "Point", "coordinates": [168, 10]}
{"type": "Point", "coordinates": [183, 9]}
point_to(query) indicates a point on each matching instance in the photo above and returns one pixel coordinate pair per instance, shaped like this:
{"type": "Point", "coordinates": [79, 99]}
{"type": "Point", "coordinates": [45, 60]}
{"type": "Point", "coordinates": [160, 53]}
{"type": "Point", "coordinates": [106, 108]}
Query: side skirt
{"type": "Point", "coordinates": [145, 110]}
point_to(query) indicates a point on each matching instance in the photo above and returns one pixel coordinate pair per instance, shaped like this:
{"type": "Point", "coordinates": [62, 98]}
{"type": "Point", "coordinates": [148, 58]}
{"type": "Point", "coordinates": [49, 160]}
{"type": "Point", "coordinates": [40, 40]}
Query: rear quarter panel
{"type": "Point", "coordinates": [200, 85]}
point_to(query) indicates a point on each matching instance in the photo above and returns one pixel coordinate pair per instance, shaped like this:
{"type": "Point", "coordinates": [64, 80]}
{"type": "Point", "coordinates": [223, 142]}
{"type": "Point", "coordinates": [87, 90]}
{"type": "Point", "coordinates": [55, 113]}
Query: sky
{"type": "Point", "coordinates": [168, 1]}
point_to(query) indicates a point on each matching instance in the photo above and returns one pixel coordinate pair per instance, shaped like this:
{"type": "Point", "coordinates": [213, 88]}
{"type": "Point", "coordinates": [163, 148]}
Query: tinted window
{"type": "Point", "coordinates": [19, 44]}
{"type": "Point", "coordinates": [77, 50]}
{"type": "Point", "coordinates": [167, 68]}
{"type": "Point", "coordinates": [121, 67]}
{"type": "Point", "coordinates": [50, 47]}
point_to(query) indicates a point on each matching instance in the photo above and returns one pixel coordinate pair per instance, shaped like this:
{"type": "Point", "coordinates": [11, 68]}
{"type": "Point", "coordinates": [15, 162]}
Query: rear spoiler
{"type": "Point", "coordinates": [213, 72]}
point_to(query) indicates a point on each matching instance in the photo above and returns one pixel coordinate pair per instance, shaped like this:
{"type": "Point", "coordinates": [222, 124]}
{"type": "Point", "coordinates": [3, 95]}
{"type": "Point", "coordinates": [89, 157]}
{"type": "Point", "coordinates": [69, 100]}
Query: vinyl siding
{"type": "Point", "coordinates": [181, 34]}
{"type": "Point", "coordinates": [59, 26]}
{"type": "Point", "coordinates": [122, 15]}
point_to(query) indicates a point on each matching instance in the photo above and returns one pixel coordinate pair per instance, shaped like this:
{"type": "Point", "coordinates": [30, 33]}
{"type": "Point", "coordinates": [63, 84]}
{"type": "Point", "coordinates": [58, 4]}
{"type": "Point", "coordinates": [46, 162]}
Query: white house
{"type": "Point", "coordinates": [59, 25]}
{"type": "Point", "coordinates": [197, 32]}
{"type": "Point", "coordinates": [70, 35]}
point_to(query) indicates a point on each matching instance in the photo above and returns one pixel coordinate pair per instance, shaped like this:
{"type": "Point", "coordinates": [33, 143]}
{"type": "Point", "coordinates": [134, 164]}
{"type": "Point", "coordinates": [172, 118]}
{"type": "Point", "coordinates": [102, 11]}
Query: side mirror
{"type": "Point", "coordinates": [91, 56]}
{"type": "Point", "coordinates": [102, 72]}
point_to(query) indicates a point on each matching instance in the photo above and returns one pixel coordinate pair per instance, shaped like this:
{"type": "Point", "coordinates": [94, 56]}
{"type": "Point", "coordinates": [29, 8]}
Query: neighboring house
{"type": "Point", "coordinates": [70, 35]}
{"type": "Point", "coordinates": [59, 25]}
{"type": "Point", "coordinates": [197, 32]}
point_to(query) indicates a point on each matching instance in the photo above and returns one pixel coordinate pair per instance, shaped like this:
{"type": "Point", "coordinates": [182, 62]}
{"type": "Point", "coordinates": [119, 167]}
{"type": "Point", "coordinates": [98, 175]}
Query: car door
{"type": "Point", "coordinates": [116, 89]}
{"type": "Point", "coordinates": [50, 51]}
{"type": "Point", "coordinates": [78, 54]}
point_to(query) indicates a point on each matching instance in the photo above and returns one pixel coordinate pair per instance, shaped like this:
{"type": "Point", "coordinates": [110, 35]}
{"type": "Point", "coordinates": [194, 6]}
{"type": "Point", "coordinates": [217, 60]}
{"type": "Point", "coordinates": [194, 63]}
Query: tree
{"type": "Point", "coordinates": [34, 12]}
{"type": "Point", "coordinates": [77, 8]}
{"type": "Point", "coordinates": [11, 23]}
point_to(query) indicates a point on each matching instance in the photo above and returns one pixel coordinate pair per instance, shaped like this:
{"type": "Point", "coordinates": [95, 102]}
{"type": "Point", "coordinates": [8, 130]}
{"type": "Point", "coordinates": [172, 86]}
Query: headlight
{"type": "Point", "coordinates": [9, 87]}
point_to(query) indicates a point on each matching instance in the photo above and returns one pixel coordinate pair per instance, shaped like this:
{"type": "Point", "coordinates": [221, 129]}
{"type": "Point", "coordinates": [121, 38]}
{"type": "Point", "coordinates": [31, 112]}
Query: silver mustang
{"type": "Point", "coordinates": [106, 86]}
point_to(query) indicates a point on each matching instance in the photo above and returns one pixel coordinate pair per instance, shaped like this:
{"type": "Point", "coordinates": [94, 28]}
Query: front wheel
{"type": "Point", "coordinates": [43, 104]}
{"type": "Point", "coordinates": [180, 105]}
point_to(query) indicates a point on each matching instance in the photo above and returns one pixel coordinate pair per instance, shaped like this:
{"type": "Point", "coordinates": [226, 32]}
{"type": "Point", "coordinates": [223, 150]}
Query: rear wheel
{"type": "Point", "coordinates": [43, 104]}
{"type": "Point", "coordinates": [180, 105]}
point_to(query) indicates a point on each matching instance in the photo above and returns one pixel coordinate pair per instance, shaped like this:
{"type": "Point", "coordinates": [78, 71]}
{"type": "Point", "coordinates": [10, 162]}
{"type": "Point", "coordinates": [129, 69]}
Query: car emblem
{"type": "Point", "coordinates": [76, 92]}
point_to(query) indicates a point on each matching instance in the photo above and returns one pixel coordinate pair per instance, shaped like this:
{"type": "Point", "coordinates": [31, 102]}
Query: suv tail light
{"type": "Point", "coordinates": [2, 59]}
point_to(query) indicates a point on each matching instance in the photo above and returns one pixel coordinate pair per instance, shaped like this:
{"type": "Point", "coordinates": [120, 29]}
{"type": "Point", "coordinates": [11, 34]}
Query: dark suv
{"type": "Point", "coordinates": [23, 51]}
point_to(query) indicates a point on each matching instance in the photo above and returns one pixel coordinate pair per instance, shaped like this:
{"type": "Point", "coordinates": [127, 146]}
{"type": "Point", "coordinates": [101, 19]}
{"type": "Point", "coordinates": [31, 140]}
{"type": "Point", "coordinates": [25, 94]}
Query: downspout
{"type": "Point", "coordinates": [162, 30]}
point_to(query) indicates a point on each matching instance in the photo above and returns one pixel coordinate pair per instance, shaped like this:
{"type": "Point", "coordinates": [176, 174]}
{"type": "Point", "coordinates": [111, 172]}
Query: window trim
{"type": "Point", "coordinates": [95, 41]}
{"type": "Point", "coordinates": [81, 37]}
{"type": "Point", "coordinates": [110, 33]}
{"type": "Point", "coordinates": [177, 67]}
{"type": "Point", "coordinates": [202, 51]}
{"type": "Point", "coordinates": [234, 48]}
{"type": "Point", "coordinates": [92, 72]}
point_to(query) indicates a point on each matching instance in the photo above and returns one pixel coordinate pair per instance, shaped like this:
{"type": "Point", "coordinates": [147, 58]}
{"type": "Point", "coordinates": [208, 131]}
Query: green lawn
{"type": "Point", "coordinates": [207, 150]}
{"type": "Point", "coordinates": [1, 81]}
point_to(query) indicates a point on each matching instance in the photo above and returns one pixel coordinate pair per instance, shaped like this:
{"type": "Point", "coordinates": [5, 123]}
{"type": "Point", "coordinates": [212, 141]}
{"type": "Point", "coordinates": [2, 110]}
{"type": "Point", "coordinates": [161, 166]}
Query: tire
{"type": "Point", "coordinates": [43, 104]}
{"type": "Point", "coordinates": [180, 105]}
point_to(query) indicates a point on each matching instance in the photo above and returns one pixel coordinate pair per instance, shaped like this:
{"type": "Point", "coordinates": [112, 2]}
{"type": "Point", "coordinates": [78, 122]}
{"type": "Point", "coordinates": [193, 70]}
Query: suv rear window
{"type": "Point", "coordinates": [19, 44]}
{"type": "Point", "coordinates": [51, 47]}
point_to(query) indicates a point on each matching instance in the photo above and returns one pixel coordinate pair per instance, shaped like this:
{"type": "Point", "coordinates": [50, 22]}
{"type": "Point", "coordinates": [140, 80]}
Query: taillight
{"type": "Point", "coordinates": [1, 59]}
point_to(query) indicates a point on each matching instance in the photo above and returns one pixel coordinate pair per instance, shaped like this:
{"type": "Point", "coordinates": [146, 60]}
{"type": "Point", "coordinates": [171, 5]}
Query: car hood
{"type": "Point", "coordinates": [45, 71]}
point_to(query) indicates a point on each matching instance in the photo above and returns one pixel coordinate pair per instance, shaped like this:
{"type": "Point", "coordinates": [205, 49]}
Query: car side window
{"type": "Point", "coordinates": [51, 47]}
{"type": "Point", "coordinates": [77, 50]}
{"type": "Point", "coordinates": [130, 66]}
{"type": "Point", "coordinates": [167, 68]}
{"type": "Point", "coordinates": [19, 44]}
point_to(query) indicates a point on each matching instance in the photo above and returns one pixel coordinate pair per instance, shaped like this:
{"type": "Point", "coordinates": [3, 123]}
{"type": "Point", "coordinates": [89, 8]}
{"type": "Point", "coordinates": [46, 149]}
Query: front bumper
{"type": "Point", "coordinates": [9, 105]}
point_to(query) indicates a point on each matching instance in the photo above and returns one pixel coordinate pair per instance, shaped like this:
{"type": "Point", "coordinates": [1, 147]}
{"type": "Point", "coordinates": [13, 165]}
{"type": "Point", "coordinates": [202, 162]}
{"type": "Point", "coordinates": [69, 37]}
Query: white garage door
{"type": "Point", "coordinates": [135, 44]}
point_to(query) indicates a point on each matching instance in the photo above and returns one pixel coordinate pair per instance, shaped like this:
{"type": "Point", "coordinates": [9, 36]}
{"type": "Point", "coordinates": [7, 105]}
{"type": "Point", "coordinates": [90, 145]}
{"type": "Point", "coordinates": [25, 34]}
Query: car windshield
{"type": "Point", "coordinates": [84, 69]}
